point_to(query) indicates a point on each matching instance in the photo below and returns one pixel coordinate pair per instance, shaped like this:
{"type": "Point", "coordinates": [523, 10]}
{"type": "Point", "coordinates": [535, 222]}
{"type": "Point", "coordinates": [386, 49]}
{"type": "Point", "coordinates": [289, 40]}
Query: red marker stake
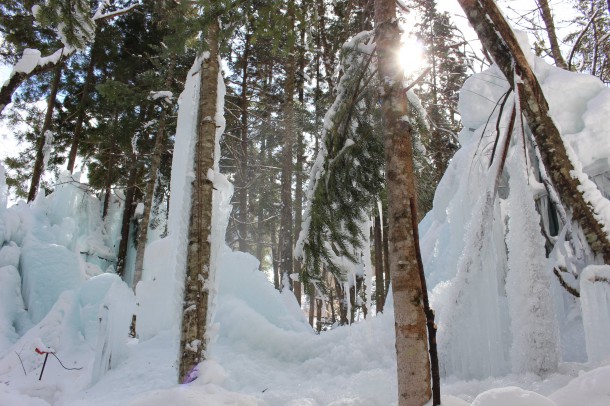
{"type": "Point", "coordinates": [44, 363]}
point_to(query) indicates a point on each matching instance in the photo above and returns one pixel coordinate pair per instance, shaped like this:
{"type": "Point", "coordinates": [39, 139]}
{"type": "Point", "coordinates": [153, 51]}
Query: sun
{"type": "Point", "coordinates": [411, 55]}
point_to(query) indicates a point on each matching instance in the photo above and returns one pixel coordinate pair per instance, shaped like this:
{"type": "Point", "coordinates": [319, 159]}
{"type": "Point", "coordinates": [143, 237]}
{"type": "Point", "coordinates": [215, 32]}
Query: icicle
{"type": "Point", "coordinates": [534, 328]}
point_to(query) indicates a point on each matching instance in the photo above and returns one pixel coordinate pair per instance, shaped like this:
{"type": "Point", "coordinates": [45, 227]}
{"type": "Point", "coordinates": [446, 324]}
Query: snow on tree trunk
{"type": "Point", "coordinates": [595, 302]}
{"type": "Point", "coordinates": [413, 364]}
{"type": "Point", "coordinates": [535, 346]}
{"type": "Point", "coordinates": [196, 288]}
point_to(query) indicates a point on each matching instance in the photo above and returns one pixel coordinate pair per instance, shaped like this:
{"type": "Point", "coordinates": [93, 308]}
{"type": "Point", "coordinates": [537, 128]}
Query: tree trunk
{"type": "Point", "coordinates": [547, 17]}
{"type": "Point", "coordinates": [109, 166]}
{"type": "Point", "coordinates": [498, 38]}
{"type": "Point", "coordinates": [275, 257]}
{"type": "Point", "coordinates": [413, 364]}
{"type": "Point", "coordinates": [379, 287]}
{"type": "Point", "coordinates": [298, 194]}
{"type": "Point", "coordinates": [352, 301]}
{"type": "Point", "coordinates": [195, 302]}
{"type": "Point", "coordinates": [242, 169]}
{"type": "Point", "coordinates": [319, 315]}
{"type": "Point", "coordinates": [327, 55]}
{"type": "Point", "coordinates": [108, 184]}
{"type": "Point", "coordinates": [312, 304]}
{"type": "Point", "coordinates": [342, 299]}
{"type": "Point", "coordinates": [386, 257]}
{"type": "Point", "coordinates": [152, 181]}
{"type": "Point", "coordinates": [260, 223]}
{"type": "Point", "coordinates": [82, 105]}
{"type": "Point", "coordinates": [286, 264]}
{"type": "Point", "coordinates": [46, 126]}
{"type": "Point", "coordinates": [331, 300]}
{"type": "Point", "coordinates": [128, 210]}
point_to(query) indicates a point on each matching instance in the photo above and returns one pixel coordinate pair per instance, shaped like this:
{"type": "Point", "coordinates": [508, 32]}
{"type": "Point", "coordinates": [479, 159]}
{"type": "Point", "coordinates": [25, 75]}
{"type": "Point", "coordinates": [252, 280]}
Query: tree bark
{"type": "Point", "coordinates": [108, 184]}
{"type": "Point", "coordinates": [152, 181]}
{"type": "Point", "coordinates": [547, 17]}
{"type": "Point", "coordinates": [379, 286]}
{"type": "Point", "coordinates": [319, 315]}
{"type": "Point", "coordinates": [386, 258]}
{"type": "Point", "coordinates": [128, 210]}
{"type": "Point", "coordinates": [499, 39]}
{"type": "Point", "coordinates": [413, 364]}
{"type": "Point", "coordinates": [195, 302]}
{"type": "Point", "coordinates": [46, 126]}
{"type": "Point", "coordinates": [275, 259]}
{"type": "Point", "coordinates": [298, 194]}
{"type": "Point", "coordinates": [312, 304]}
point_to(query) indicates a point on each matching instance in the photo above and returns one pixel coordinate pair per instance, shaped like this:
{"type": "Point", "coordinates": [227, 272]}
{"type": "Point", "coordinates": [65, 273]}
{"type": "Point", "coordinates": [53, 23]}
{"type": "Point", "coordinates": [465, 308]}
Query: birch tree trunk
{"type": "Point", "coordinates": [195, 302]}
{"type": "Point", "coordinates": [500, 41]}
{"type": "Point", "coordinates": [413, 364]}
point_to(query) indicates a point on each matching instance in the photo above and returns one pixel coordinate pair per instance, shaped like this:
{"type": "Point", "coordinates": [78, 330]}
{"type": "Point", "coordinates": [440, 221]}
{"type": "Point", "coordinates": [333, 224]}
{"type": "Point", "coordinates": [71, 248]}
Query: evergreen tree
{"type": "Point", "coordinates": [440, 88]}
{"type": "Point", "coordinates": [590, 44]}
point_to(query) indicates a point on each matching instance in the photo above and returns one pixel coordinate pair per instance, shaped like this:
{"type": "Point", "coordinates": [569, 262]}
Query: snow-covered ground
{"type": "Point", "coordinates": [59, 294]}
{"type": "Point", "coordinates": [264, 353]}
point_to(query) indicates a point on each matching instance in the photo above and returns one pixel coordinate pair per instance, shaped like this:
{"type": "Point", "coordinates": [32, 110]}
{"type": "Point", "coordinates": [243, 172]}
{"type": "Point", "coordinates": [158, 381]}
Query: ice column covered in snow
{"type": "Point", "coordinates": [535, 345]}
{"type": "Point", "coordinates": [160, 291]}
{"type": "Point", "coordinates": [114, 318]}
{"type": "Point", "coordinates": [595, 302]}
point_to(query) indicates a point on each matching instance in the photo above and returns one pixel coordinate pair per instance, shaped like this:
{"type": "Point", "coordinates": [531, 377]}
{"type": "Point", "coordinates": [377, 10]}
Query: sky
{"type": "Point", "coordinates": [562, 13]}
